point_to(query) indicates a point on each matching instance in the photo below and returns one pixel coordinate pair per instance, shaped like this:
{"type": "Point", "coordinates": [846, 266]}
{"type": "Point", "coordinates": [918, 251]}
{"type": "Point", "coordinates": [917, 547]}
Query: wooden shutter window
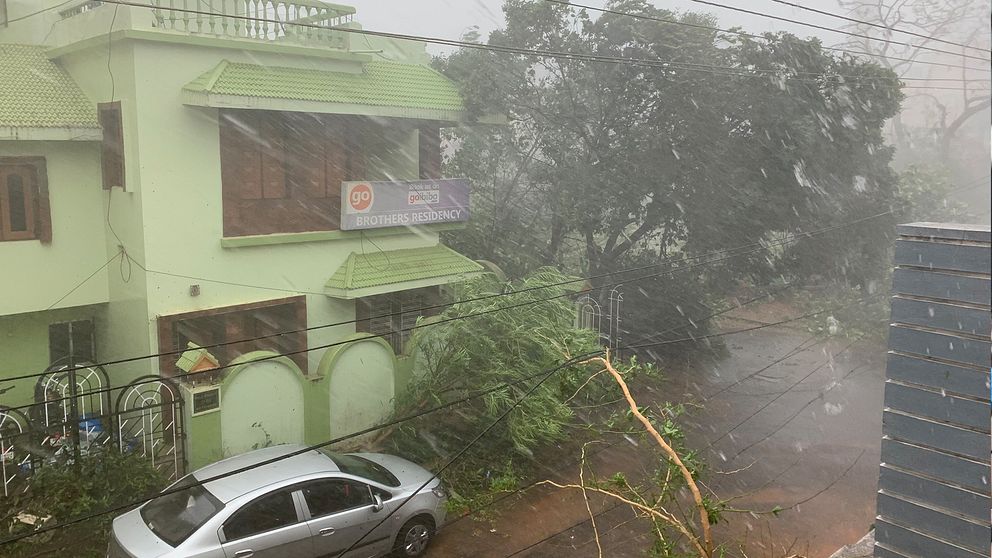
{"type": "Point", "coordinates": [240, 158]}
{"type": "Point", "coordinates": [305, 156]}
{"type": "Point", "coordinates": [429, 143]}
{"type": "Point", "coordinates": [273, 134]}
{"type": "Point", "coordinates": [24, 207]}
{"type": "Point", "coordinates": [357, 130]}
{"type": "Point", "coordinates": [112, 147]}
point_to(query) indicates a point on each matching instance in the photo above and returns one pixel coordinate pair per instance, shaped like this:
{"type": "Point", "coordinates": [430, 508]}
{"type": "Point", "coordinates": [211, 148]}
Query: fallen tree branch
{"type": "Point", "coordinates": [667, 518]}
{"type": "Point", "coordinates": [706, 547]}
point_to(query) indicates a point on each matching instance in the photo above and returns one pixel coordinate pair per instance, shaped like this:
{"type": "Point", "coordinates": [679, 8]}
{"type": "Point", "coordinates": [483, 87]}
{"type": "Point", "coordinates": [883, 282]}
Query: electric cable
{"type": "Point", "coordinates": [307, 449]}
{"type": "Point", "coordinates": [753, 35]}
{"type": "Point", "coordinates": [185, 375]}
{"type": "Point", "coordinates": [583, 57]}
{"type": "Point", "coordinates": [792, 416]}
{"type": "Point", "coordinates": [832, 30]}
{"type": "Point", "coordinates": [777, 397]}
{"type": "Point", "coordinates": [83, 282]}
{"type": "Point", "coordinates": [39, 12]}
{"type": "Point", "coordinates": [878, 25]}
{"type": "Point", "coordinates": [546, 374]}
{"type": "Point", "coordinates": [758, 246]}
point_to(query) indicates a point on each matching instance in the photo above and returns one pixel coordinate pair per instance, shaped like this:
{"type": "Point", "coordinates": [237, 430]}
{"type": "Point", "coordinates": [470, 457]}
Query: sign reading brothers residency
{"type": "Point", "coordinates": [373, 205]}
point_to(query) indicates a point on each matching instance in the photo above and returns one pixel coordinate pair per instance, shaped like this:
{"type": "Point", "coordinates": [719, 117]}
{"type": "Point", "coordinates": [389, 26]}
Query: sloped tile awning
{"type": "Point", "coordinates": [40, 101]}
{"type": "Point", "coordinates": [381, 88]}
{"type": "Point", "coordinates": [382, 272]}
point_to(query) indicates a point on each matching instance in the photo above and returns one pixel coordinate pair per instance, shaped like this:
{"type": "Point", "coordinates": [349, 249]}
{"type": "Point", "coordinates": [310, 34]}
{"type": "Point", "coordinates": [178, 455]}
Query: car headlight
{"type": "Point", "coordinates": [440, 491]}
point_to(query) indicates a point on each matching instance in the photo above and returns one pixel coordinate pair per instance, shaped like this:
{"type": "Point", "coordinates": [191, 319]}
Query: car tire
{"type": "Point", "coordinates": [414, 538]}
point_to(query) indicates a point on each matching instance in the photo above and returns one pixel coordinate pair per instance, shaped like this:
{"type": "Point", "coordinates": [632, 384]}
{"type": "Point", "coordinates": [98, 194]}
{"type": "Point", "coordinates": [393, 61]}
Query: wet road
{"type": "Point", "coordinates": [788, 421]}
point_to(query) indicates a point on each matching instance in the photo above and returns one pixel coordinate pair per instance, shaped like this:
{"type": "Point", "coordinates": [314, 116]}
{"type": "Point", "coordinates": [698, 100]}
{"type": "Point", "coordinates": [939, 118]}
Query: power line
{"type": "Point", "coordinates": [753, 328]}
{"type": "Point", "coordinates": [544, 374]}
{"type": "Point", "coordinates": [758, 246]}
{"type": "Point", "coordinates": [201, 482]}
{"type": "Point", "coordinates": [878, 25]}
{"type": "Point", "coordinates": [792, 416]}
{"type": "Point", "coordinates": [468, 446]}
{"type": "Point", "coordinates": [617, 505]}
{"type": "Point", "coordinates": [753, 35]}
{"type": "Point", "coordinates": [83, 282]}
{"type": "Point", "coordinates": [801, 347]}
{"type": "Point", "coordinates": [39, 12]}
{"type": "Point", "coordinates": [777, 397]}
{"type": "Point", "coordinates": [349, 341]}
{"type": "Point", "coordinates": [581, 57]}
{"type": "Point", "coordinates": [832, 30]}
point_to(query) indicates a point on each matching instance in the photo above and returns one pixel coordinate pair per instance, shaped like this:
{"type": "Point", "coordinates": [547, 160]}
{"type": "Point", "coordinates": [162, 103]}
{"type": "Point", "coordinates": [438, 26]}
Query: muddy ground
{"type": "Point", "coordinates": [789, 421]}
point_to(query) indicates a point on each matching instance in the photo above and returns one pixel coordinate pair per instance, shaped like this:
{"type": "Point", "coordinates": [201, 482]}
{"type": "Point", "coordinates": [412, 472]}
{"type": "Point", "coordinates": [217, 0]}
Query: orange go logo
{"type": "Point", "coordinates": [360, 198]}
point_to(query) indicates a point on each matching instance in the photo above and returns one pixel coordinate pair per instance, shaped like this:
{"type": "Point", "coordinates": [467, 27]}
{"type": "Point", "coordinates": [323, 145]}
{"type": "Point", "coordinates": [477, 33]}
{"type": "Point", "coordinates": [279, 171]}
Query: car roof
{"type": "Point", "coordinates": [229, 488]}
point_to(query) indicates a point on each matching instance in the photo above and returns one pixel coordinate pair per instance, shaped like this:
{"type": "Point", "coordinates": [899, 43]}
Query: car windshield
{"type": "Point", "coordinates": [176, 516]}
{"type": "Point", "coordinates": [361, 467]}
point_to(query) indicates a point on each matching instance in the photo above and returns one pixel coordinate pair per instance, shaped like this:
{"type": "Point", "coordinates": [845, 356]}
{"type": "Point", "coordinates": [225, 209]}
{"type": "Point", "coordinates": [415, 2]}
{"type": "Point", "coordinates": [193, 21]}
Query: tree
{"type": "Point", "coordinates": [481, 350]}
{"type": "Point", "coordinates": [930, 21]}
{"type": "Point", "coordinates": [720, 141]}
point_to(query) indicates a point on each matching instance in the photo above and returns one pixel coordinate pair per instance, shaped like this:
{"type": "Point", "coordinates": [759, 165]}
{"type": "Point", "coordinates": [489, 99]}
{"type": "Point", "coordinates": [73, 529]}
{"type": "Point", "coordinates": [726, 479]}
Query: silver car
{"type": "Point", "coordinates": [314, 504]}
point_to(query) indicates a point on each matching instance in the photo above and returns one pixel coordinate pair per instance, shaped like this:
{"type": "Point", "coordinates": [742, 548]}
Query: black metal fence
{"type": "Point", "coordinates": [77, 412]}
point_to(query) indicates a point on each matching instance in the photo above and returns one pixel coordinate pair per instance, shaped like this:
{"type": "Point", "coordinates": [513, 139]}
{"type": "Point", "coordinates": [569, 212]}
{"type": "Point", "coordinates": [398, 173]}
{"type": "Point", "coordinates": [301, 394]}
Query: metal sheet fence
{"type": "Point", "coordinates": [933, 495]}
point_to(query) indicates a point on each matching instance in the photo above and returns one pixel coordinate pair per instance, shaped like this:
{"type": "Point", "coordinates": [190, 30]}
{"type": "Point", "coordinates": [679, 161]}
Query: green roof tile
{"type": "Point", "coordinates": [383, 84]}
{"type": "Point", "coordinates": [36, 93]}
{"type": "Point", "coordinates": [391, 268]}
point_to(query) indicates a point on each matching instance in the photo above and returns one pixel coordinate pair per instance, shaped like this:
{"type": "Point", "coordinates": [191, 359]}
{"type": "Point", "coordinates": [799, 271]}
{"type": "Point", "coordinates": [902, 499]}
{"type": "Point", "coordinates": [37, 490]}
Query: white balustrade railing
{"type": "Point", "coordinates": [301, 22]}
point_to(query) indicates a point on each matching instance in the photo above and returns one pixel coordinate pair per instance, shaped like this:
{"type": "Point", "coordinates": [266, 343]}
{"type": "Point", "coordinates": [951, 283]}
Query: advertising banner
{"type": "Point", "coordinates": [374, 205]}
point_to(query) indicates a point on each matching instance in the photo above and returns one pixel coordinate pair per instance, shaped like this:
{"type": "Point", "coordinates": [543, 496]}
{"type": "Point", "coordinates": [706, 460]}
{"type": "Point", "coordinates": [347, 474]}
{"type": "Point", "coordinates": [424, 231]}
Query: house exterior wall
{"type": "Point", "coordinates": [169, 217]}
{"type": "Point", "coordinates": [179, 180]}
{"type": "Point", "coordinates": [34, 274]}
{"type": "Point", "coordinates": [24, 346]}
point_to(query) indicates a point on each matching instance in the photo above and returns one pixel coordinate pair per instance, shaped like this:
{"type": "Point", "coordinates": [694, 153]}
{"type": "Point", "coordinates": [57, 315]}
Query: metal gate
{"type": "Point", "coordinates": [149, 418]}
{"type": "Point", "coordinates": [72, 417]}
{"type": "Point", "coordinates": [590, 315]}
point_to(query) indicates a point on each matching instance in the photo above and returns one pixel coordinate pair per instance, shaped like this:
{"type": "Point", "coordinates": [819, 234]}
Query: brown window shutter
{"type": "Point", "coordinates": [17, 202]}
{"type": "Point", "coordinates": [112, 158]}
{"type": "Point", "coordinates": [240, 159]}
{"type": "Point", "coordinates": [336, 156]}
{"type": "Point", "coordinates": [305, 157]}
{"type": "Point", "coordinates": [355, 147]}
{"type": "Point", "coordinates": [273, 132]}
{"type": "Point", "coordinates": [25, 212]}
{"type": "Point", "coordinates": [42, 207]}
{"type": "Point", "coordinates": [430, 151]}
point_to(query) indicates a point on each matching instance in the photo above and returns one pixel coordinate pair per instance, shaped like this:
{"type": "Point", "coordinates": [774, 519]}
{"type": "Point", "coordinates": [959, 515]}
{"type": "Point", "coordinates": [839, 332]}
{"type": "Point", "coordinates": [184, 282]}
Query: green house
{"type": "Point", "coordinates": [170, 177]}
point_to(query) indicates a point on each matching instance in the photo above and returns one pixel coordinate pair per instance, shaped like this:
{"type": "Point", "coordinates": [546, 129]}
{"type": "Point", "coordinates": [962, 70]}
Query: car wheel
{"type": "Point", "coordinates": [413, 538]}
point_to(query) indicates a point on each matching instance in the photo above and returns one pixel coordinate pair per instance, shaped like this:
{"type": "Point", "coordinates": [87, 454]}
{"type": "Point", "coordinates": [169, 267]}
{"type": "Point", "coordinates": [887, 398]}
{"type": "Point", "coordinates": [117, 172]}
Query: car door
{"type": "Point", "coordinates": [341, 512]}
{"type": "Point", "coordinates": [270, 526]}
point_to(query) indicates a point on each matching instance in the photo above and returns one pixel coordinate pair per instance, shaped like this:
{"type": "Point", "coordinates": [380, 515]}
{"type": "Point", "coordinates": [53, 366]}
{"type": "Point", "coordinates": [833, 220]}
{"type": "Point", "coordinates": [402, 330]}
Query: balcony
{"type": "Point", "coordinates": [305, 23]}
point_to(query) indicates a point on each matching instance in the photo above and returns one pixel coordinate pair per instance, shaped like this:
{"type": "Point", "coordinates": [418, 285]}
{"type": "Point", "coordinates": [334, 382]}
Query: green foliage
{"type": "Point", "coordinates": [605, 163]}
{"type": "Point", "coordinates": [513, 346]}
{"type": "Point", "coordinates": [844, 311]}
{"type": "Point", "coordinates": [925, 195]}
{"type": "Point", "coordinates": [477, 491]}
{"type": "Point", "coordinates": [63, 492]}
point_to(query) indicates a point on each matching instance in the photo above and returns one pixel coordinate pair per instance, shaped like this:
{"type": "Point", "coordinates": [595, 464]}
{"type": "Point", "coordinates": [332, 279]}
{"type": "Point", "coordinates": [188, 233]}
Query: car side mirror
{"type": "Point", "coordinates": [377, 504]}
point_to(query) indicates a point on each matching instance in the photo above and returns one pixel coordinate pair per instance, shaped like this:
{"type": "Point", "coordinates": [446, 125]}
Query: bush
{"type": "Point", "coordinates": [63, 492]}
